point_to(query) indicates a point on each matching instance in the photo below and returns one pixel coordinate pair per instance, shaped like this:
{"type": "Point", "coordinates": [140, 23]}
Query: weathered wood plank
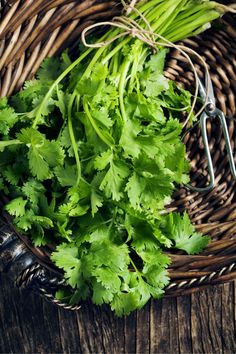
{"type": "Point", "coordinates": [69, 332]}
{"type": "Point", "coordinates": [90, 329]}
{"type": "Point", "coordinates": [164, 327]}
{"type": "Point", "coordinates": [143, 330]}
{"type": "Point", "coordinates": [201, 323]}
{"type": "Point", "coordinates": [130, 333]}
{"type": "Point", "coordinates": [206, 321]}
{"type": "Point", "coordinates": [184, 324]}
{"type": "Point", "coordinates": [113, 330]}
{"type": "Point", "coordinates": [227, 314]}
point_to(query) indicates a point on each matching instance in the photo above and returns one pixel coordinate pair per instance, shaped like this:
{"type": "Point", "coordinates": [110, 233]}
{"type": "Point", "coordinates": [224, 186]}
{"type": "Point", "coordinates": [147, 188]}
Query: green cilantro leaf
{"type": "Point", "coordinates": [38, 166]}
{"type": "Point", "coordinates": [156, 84]}
{"type": "Point", "coordinates": [157, 61]}
{"type": "Point", "coordinates": [8, 118]}
{"type": "Point", "coordinates": [66, 175]}
{"type": "Point", "coordinates": [66, 258]}
{"type": "Point", "coordinates": [114, 180]}
{"type": "Point", "coordinates": [182, 232]}
{"type": "Point", "coordinates": [100, 294]}
{"type": "Point", "coordinates": [16, 207]}
{"type": "Point", "coordinates": [96, 202]}
{"type": "Point", "coordinates": [43, 154]}
{"type": "Point", "coordinates": [33, 190]}
{"type": "Point", "coordinates": [49, 70]}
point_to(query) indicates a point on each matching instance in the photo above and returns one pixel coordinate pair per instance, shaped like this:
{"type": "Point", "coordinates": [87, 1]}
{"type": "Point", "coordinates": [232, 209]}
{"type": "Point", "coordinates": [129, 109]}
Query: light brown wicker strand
{"type": "Point", "coordinates": [67, 32]}
{"type": "Point", "coordinates": [16, 74]}
{"type": "Point", "coordinates": [19, 47]}
{"type": "Point", "coordinates": [10, 46]}
{"type": "Point", "coordinates": [5, 21]}
{"type": "Point", "coordinates": [61, 16]}
{"type": "Point", "coordinates": [28, 66]}
{"type": "Point", "coordinates": [44, 52]}
{"type": "Point", "coordinates": [35, 31]}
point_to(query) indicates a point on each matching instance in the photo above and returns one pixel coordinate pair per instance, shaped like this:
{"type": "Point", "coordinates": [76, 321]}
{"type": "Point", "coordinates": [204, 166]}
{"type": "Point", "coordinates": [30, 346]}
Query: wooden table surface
{"type": "Point", "coordinates": [200, 323]}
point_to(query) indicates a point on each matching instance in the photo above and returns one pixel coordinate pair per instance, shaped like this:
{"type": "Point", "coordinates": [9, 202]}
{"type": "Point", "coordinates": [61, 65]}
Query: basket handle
{"type": "Point", "coordinates": [14, 255]}
{"type": "Point", "coordinates": [16, 258]}
{"type": "Point", "coordinates": [38, 279]}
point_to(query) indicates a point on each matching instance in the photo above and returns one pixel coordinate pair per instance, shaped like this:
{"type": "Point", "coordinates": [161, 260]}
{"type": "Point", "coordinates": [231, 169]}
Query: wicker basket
{"type": "Point", "coordinates": [30, 31]}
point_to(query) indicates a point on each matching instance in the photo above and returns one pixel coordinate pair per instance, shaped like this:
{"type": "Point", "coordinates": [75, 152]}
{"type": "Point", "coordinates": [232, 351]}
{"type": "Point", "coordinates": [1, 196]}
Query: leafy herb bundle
{"type": "Point", "coordinates": [90, 155]}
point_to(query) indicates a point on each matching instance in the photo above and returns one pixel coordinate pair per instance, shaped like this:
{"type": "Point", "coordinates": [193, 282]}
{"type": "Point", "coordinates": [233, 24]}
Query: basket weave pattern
{"type": "Point", "coordinates": [32, 30]}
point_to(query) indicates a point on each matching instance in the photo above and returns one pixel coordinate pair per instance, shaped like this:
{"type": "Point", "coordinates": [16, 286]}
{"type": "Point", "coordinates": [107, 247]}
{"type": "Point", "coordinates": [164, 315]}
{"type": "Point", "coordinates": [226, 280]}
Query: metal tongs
{"type": "Point", "coordinates": [211, 111]}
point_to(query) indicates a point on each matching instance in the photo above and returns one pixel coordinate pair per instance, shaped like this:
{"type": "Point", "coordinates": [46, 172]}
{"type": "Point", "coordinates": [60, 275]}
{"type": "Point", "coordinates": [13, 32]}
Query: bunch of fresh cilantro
{"type": "Point", "coordinates": [90, 153]}
{"type": "Point", "coordinates": [105, 216]}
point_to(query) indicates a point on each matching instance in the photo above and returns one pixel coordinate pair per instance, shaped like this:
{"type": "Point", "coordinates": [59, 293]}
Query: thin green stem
{"type": "Point", "coordinates": [192, 27]}
{"type": "Point", "coordinates": [107, 139]}
{"type": "Point", "coordinates": [93, 62]}
{"type": "Point", "coordinates": [6, 143]}
{"type": "Point", "coordinates": [117, 48]}
{"type": "Point", "coordinates": [124, 70]}
{"type": "Point", "coordinates": [135, 268]}
{"type": "Point", "coordinates": [137, 62]}
{"type": "Point", "coordinates": [194, 9]}
{"type": "Point", "coordinates": [167, 11]}
{"type": "Point", "coordinates": [156, 12]}
{"type": "Point", "coordinates": [56, 82]}
{"type": "Point", "coordinates": [72, 138]}
{"type": "Point", "coordinates": [169, 21]}
{"type": "Point", "coordinates": [115, 67]}
{"type": "Point", "coordinates": [147, 5]}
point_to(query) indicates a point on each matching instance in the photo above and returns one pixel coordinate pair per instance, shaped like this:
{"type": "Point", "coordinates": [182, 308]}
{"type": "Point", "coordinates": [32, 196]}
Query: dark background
{"type": "Point", "coordinates": [203, 322]}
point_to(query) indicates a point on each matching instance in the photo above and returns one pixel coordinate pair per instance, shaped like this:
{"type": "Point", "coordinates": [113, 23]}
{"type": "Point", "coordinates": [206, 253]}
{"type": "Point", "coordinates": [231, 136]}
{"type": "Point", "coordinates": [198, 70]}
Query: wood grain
{"type": "Point", "coordinates": [201, 323]}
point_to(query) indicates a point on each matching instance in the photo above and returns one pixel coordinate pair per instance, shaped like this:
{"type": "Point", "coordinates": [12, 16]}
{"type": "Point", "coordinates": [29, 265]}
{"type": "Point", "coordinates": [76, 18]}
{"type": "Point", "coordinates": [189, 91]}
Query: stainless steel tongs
{"type": "Point", "coordinates": [211, 111]}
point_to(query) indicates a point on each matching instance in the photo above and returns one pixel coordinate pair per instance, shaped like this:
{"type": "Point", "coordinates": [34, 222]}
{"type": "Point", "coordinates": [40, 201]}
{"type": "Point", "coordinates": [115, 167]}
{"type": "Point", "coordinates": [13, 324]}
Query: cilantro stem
{"type": "Point", "coordinates": [138, 61]}
{"type": "Point", "coordinates": [183, 109]}
{"type": "Point", "coordinates": [55, 83]}
{"type": "Point", "coordinates": [155, 17]}
{"type": "Point", "coordinates": [115, 64]}
{"type": "Point", "coordinates": [93, 62]}
{"type": "Point", "coordinates": [115, 50]}
{"type": "Point", "coordinates": [72, 137]}
{"type": "Point", "coordinates": [124, 69]}
{"type": "Point", "coordinates": [135, 268]}
{"type": "Point", "coordinates": [187, 30]}
{"type": "Point", "coordinates": [6, 143]}
{"type": "Point", "coordinates": [107, 139]}
{"type": "Point", "coordinates": [169, 21]}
